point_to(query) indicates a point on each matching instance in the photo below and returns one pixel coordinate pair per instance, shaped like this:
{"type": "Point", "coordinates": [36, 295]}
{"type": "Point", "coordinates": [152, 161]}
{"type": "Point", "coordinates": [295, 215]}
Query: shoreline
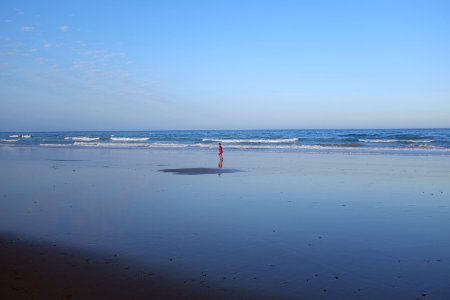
{"type": "Point", "coordinates": [368, 151]}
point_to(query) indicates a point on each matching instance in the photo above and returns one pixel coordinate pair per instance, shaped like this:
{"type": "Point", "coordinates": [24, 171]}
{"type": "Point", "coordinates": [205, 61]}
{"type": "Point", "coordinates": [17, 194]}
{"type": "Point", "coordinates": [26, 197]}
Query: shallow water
{"type": "Point", "coordinates": [329, 226]}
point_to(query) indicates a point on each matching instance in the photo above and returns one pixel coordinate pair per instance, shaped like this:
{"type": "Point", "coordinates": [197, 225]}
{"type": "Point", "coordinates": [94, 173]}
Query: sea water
{"type": "Point", "coordinates": [379, 141]}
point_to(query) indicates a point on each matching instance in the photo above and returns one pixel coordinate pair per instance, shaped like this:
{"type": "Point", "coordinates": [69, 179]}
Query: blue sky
{"type": "Point", "coordinates": [142, 65]}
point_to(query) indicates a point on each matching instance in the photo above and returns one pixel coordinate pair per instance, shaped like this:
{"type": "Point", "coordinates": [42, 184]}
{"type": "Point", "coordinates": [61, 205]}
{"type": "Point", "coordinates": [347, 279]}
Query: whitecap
{"type": "Point", "coordinates": [126, 139]}
{"type": "Point", "coordinates": [262, 141]}
{"type": "Point", "coordinates": [54, 145]}
{"type": "Point", "coordinates": [377, 141]}
{"type": "Point", "coordinates": [82, 138]}
{"type": "Point", "coordinates": [394, 141]}
{"type": "Point", "coordinates": [85, 144]}
{"type": "Point", "coordinates": [110, 145]}
{"type": "Point", "coordinates": [164, 145]}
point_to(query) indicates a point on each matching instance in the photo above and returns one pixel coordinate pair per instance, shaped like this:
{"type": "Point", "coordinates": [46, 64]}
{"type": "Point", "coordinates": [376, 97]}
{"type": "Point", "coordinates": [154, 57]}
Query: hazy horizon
{"type": "Point", "coordinates": [172, 65]}
{"type": "Point", "coordinates": [232, 129]}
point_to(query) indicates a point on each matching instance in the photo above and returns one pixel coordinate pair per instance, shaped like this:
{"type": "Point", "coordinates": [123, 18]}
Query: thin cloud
{"type": "Point", "coordinates": [102, 54]}
{"type": "Point", "coordinates": [64, 28]}
{"type": "Point", "coordinates": [27, 28]}
{"type": "Point", "coordinates": [81, 64]}
{"type": "Point", "coordinates": [18, 11]}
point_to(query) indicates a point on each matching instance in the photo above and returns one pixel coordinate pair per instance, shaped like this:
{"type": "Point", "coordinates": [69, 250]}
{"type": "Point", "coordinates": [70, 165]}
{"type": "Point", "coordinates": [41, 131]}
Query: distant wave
{"type": "Point", "coordinates": [110, 145]}
{"type": "Point", "coordinates": [24, 136]}
{"type": "Point", "coordinates": [164, 145]}
{"type": "Point", "coordinates": [9, 141]}
{"type": "Point", "coordinates": [377, 141]}
{"type": "Point", "coordinates": [81, 138]}
{"type": "Point", "coordinates": [128, 145]}
{"type": "Point", "coordinates": [348, 147]}
{"type": "Point", "coordinates": [54, 145]}
{"type": "Point", "coordinates": [126, 139]}
{"type": "Point", "coordinates": [235, 141]}
{"type": "Point", "coordinates": [394, 141]}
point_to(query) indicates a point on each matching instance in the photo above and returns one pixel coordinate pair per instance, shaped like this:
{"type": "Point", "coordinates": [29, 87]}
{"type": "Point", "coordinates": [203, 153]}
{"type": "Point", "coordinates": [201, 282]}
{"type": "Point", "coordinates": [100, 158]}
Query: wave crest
{"type": "Point", "coordinates": [393, 141]}
{"type": "Point", "coordinates": [126, 139]}
{"type": "Point", "coordinates": [82, 138]}
{"type": "Point", "coordinates": [253, 141]}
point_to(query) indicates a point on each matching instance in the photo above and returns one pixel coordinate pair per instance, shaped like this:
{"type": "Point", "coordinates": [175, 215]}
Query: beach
{"type": "Point", "coordinates": [169, 224]}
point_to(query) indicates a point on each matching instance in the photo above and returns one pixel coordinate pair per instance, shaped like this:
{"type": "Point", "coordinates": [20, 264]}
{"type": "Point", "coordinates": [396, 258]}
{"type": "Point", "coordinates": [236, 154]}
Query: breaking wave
{"type": "Point", "coordinates": [261, 141]}
{"type": "Point", "coordinates": [126, 139]}
{"type": "Point", "coordinates": [81, 138]}
{"type": "Point", "coordinates": [394, 141]}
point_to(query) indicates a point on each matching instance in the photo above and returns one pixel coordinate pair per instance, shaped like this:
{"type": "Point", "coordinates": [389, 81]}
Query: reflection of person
{"type": "Point", "coordinates": [220, 152]}
{"type": "Point", "coordinates": [220, 165]}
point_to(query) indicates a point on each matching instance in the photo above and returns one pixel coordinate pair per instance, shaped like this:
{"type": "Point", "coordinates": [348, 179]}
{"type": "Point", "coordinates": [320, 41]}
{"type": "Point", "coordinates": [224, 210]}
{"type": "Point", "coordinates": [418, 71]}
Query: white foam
{"type": "Point", "coordinates": [85, 144]}
{"type": "Point", "coordinates": [55, 145]}
{"type": "Point", "coordinates": [14, 136]}
{"type": "Point", "coordinates": [26, 136]}
{"type": "Point", "coordinates": [126, 139]}
{"type": "Point", "coordinates": [9, 141]}
{"type": "Point", "coordinates": [377, 141]}
{"type": "Point", "coordinates": [235, 141]}
{"type": "Point", "coordinates": [110, 145]}
{"type": "Point", "coordinates": [334, 147]}
{"type": "Point", "coordinates": [394, 141]}
{"type": "Point", "coordinates": [417, 141]}
{"type": "Point", "coordinates": [163, 145]}
{"type": "Point", "coordinates": [82, 138]}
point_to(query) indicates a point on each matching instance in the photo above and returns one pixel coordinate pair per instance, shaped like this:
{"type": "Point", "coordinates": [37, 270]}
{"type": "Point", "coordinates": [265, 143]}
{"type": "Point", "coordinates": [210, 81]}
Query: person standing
{"type": "Point", "coordinates": [220, 152]}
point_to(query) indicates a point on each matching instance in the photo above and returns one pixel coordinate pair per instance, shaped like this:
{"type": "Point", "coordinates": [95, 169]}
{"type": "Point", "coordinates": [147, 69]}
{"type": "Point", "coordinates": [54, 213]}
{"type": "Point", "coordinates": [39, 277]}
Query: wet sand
{"type": "Point", "coordinates": [287, 225]}
{"type": "Point", "coordinates": [38, 270]}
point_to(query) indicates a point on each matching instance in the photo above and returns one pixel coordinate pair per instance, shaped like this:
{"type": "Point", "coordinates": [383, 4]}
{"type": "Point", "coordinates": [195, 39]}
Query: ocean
{"type": "Point", "coordinates": [362, 141]}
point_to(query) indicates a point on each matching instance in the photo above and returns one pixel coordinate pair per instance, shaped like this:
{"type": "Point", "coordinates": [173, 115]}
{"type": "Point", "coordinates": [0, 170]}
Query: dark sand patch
{"type": "Point", "coordinates": [199, 171]}
{"type": "Point", "coordinates": [38, 270]}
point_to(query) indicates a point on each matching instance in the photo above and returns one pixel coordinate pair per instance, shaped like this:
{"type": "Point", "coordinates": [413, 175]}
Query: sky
{"type": "Point", "coordinates": [155, 65]}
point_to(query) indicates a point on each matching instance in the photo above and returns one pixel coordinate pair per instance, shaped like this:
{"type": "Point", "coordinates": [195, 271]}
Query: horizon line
{"type": "Point", "coordinates": [263, 129]}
